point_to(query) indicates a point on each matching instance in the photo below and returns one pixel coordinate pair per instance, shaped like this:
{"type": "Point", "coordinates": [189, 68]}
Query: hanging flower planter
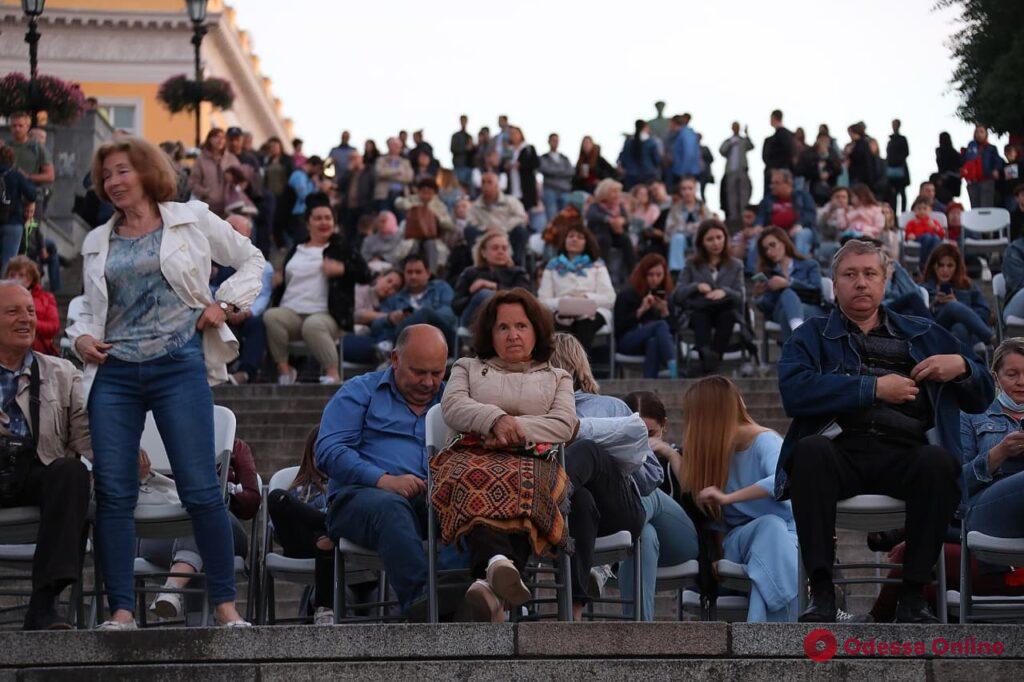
{"type": "Point", "coordinates": [62, 101]}
{"type": "Point", "coordinates": [178, 93]}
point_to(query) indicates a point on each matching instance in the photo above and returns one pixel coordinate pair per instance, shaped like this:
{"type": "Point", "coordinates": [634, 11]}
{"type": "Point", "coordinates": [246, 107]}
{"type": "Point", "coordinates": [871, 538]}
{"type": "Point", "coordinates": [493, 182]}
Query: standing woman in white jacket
{"type": "Point", "coordinates": [578, 272]}
{"type": "Point", "coordinates": [153, 339]}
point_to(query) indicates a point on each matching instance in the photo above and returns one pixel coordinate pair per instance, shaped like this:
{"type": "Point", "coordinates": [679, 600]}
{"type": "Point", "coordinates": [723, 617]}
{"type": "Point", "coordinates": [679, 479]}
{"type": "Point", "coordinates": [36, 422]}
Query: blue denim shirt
{"type": "Point", "coordinates": [368, 430]}
{"type": "Point", "coordinates": [972, 298]}
{"type": "Point", "coordinates": [806, 275]}
{"type": "Point", "coordinates": [437, 297]}
{"type": "Point", "coordinates": [819, 378]}
{"type": "Point", "coordinates": [979, 433]}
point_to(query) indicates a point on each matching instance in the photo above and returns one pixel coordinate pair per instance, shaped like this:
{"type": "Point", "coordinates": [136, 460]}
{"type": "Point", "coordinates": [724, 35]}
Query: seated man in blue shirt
{"type": "Point", "coordinates": [372, 448]}
{"type": "Point", "coordinates": [424, 300]}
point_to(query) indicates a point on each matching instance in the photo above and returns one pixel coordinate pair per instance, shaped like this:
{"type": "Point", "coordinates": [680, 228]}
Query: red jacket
{"type": "Point", "coordinates": [47, 321]}
{"type": "Point", "coordinates": [918, 227]}
{"type": "Point", "coordinates": [242, 471]}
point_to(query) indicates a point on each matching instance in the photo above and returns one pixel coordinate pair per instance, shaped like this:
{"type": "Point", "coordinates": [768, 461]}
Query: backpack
{"type": "Point", "coordinates": [5, 199]}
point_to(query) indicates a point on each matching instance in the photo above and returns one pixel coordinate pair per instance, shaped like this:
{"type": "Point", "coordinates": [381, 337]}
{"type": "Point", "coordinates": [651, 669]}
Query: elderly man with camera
{"type": "Point", "coordinates": [43, 431]}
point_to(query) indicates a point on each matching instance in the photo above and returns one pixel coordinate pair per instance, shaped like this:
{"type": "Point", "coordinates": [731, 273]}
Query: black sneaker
{"type": "Point", "coordinates": [913, 608]}
{"type": "Point", "coordinates": [44, 619]}
{"type": "Point", "coordinates": [822, 606]}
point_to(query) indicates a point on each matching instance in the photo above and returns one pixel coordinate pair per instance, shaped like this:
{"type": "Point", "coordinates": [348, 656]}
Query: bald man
{"type": "Point", "coordinates": [372, 446]}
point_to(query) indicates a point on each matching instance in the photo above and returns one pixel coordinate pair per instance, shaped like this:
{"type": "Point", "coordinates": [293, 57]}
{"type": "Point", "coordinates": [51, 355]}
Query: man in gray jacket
{"type": "Point", "coordinates": [557, 172]}
{"type": "Point", "coordinates": [736, 181]}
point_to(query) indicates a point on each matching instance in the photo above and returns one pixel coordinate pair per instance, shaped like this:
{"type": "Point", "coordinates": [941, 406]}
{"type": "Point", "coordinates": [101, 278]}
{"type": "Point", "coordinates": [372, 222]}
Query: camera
{"type": "Point", "coordinates": [16, 455]}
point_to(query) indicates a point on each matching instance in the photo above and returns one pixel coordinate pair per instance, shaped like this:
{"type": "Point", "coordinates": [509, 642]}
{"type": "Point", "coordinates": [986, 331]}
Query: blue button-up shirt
{"type": "Point", "coordinates": [368, 430]}
{"type": "Point", "coordinates": [13, 418]}
{"type": "Point", "coordinates": [979, 433]}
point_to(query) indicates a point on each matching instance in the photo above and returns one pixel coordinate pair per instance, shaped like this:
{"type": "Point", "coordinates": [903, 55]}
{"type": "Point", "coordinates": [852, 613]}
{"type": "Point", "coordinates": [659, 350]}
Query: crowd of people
{"type": "Point", "coordinates": [886, 394]}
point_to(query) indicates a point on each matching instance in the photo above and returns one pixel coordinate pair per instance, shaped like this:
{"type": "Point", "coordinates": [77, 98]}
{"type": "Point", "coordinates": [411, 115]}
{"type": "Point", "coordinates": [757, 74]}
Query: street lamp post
{"type": "Point", "coordinates": [197, 13]}
{"type": "Point", "coordinates": [32, 10]}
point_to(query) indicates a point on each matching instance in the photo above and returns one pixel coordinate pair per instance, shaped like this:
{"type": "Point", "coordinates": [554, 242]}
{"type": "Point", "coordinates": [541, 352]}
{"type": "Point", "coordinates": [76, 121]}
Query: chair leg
{"type": "Point", "coordinates": [565, 601]}
{"type": "Point", "coordinates": [206, 599]}
{"type": "Point", "coordinates": [382, 595]}
{"type": "Point", "coordinates": [638, 583]}
{"type": "Point", "coordinates": [270, 609]}
{"type": "Point", "coordinates": [940, 587]}
{"type": "Point", "coordinates": [432, 607]}
{"type": "Point", "coordinates": [965, 576]}
{"type": "Point", "coordinates": [801, 583]}
{"type": "Point", "coordinates": [339, 585]}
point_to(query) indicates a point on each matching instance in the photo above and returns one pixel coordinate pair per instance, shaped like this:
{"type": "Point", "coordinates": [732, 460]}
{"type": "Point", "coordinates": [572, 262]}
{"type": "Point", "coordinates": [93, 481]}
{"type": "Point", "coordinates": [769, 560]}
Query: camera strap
{"type": "Point", "coordinates": [34, 382]}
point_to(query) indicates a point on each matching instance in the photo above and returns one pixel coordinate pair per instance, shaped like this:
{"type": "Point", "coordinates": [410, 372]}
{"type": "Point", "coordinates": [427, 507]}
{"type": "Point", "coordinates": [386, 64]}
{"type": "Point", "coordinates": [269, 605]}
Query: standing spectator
{"type": "Point", "coordinates": [685, 150]}
{"type": "Point", "coordinates": [791, 292]}
{"type": "Point", "coordinates": [522, 168]}
{"type": "Point", "coordinates": [370, 153]}
{"type": "Point", "coordinates": [606, 217]}
{"type": "Point", "coordinates": [423, 300]}
{"type": "Point", "coordinates": [864, 218]}
{"type": "Point", "coordinates": [24, 271]}
{"type": "Point", "coordinates": [314, 294]}
{"type": "Point", "coordinates": [710, 294]}
{"type": "Point", "coordinates": [31, 157]}
{"type": "Point", "coordinates": [858, 153]}
{"type": "Point", "coordinates": [340, 155]}
{"type": "Point", "coordinates": [778, 150]}
{"type": "Point", "coordinates": [820, 167]}
{"type": "Point", "coordinates": [393, 174]}
{"type": "Point", "coordinates": [924, 229]}
{"type": "Point", "coordinates": [684, 217]}
{"type": "Point", "coordinates": [578, 272]}
{"type": "Point", "coordinates": [151, 339]}
{"type": "Point", "coordinates": [304, 181]}
{"type": "Point", "coordinates": [957, 303]}
{"type": "Point", "coordinates": [557, 171]}
{"type": "Point", "coordinates": [896, 153]}
{"type": "Point", "coordinates": [483, 147]}
{"type": "Point", "coordinates": [249, 163]}
{"type": "Point", "coordinates": [355, 193]}
{"type": "Point", "coordinates": [277, 168]}
{"type": "Point", "coordinates": [639, 160]}
{"type": "Point", "coordinates": [462, 149]}
{"type": "Point", "coordinates": [979, 166]}
{"type": "Point", "coordinates": [643, 320]}
{"type": "Point", "coordinates": [736, 181]}
{"type": "Point", "coordinates": [1010, 175]}
{"type": "Point", "coordinates": [207, 180]}
{"type": "Point", "coordinates": [947, 161]}
{"type": "Point", "coordinates": [496, 210]}
{"type": "Point", "coordinates": [1017, 213]}
{"type": "Point", "coordinates": [591, 167]}
{"type": "Point", "coordinates": [706, 177]}
{"type": "Point", "coordinates": [790, 209]}
{"type": "Point", "coordinates": [493, 270]}
{"type": "Point", "coordinates": [19, 207]}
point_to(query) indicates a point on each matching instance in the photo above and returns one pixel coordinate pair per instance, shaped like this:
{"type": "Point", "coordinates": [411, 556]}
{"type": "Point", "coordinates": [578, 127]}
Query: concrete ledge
{"type": "Point", "coordinates": [787, 640]}
{"type": "Point", "coordinates": [585, 640]}
{"type": "Point", "coordinates": [279, 643]}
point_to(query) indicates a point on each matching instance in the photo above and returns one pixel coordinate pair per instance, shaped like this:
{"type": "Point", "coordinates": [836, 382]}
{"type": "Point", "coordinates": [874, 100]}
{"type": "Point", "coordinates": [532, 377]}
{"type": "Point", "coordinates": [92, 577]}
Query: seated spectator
{"type": "Point", "coordinates": [207, 179]}
{"type": "Point", "coordinates": [23, 271]}
{"type": "Point", "coordinates": [591, 167]}
{"type": "Point", "coordinates": [495, 210]}
{"type": "Point", "coordinates": [371, 447]}
{"type": "Point", "coordinates": [790, 209]}
{"type": "Point", "coordinates": [927, 190]}
{"type": "Point", "coordinates": [710, 294]}
{"type": "Point", "coordinates": [299, 519]}
{"type": "Point", "coordinates": [832, 223]}
{"type": "Point", "coordinates": [954, 217]}
{"type": "Point", "coordinates": [643, 322]}
{"type": "Point", "coordinates": [890, 237]}
{"type": "Point", "coordinates": [1010, 175]}
{"type": "Point", "coordinates": [181, 555]}
{"type": "Point", "coordinates": [684, 217]}
{"type": "Point", "coordinates": [44, 432]}
{"type": "Point", "coordinates": [647, 218]}
{"type": "Point", "coordinates": [392, 173]}
{"type": "Point", "coordinates": [728, 464]}
{"type": "Point", "coordinates": [1017, 213]}
{"type": "Point", "coordinates": [606, 218]}
{"type": "Point", "coordinates": [426, 220]}
{"type": "Point", "coordinates": [902, 293]}
{"type": "Point", "coordinates": [236, 199]}
{"type": "Point", "coordinates": [21, 206]}
{"type": "Point", "coordinates": [511, 400]}
{"type": "Point", "coordinates": [491, 163]}
{"type": "Point", "coordinates": [791, 290]}
{"type": "Point", "coordinates": [362, 347]}
{"type": "Point", "coordinates": [743, 244]}
{"type": "Point", "coordinates": [304, 182]}
{"type": "Point", "coordinates": [449, 191]}
{"type": "Point", "coordinates": [246, 325]}
{"type": "Point", "coordinates": [381, 249]}
{"type": "Point", "coordinates": [577, 273]}
{"type": "Point", "coordinates": [356, 193]}
{"type": "Point", "coordinates": [882, 402]}
{"type": "Point", "coordinates": [924, 229]}
{"type": "Point", "coordinates": [557, 171]}
{"type": "Point", "coordinates": [650, 408]}
{"type": "Point", "coordinates": [643, 212]}
{"type": "Point", "coordinates": [423, 300]}
{"type": "Point", "coordinates": [493, 271]}
{"type": "Point", "coordinates": [313, 295]}
{"type": "Point", "coordinates": [957, 303]}
{"type": "Point", "coordinates": [864, 218]}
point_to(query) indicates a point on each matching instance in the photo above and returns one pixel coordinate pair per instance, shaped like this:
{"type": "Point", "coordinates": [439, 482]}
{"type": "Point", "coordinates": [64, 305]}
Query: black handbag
{"type": "Point", "coordinates": [17, 454]}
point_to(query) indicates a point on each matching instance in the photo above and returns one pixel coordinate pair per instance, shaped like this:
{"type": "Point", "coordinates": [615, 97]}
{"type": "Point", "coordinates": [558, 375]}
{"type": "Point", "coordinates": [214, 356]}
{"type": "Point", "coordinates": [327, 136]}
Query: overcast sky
{"type": "Point", "coordinates": [581, 67]}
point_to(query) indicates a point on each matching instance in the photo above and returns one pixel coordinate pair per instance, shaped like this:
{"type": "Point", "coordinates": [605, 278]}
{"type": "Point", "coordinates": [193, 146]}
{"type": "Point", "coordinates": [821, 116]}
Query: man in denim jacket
{"type": "Point", "coordinates": [875, 399]}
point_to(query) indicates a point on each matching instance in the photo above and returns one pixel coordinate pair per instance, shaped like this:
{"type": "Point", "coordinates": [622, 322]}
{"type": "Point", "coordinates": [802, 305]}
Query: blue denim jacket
{"type": "Point", "coordinates": [806, 275]}
{"type": "Point", "coordinates": [972, 298]}
{"type": "Point", "coordinates": [819, 379]}
{"type": "Point", "coordinates": [979, 433]}
{"type": "Point", "coordinates": [803, 204]}
{"type": "Point", "coordinates": [438, 297]}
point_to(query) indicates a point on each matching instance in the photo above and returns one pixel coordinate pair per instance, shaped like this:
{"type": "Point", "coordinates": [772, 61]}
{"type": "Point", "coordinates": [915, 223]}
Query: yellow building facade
{"type": "Point", "coordinates": [120, 51]}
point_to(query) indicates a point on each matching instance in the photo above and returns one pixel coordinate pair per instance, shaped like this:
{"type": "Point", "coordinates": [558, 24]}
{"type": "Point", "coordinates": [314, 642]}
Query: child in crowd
{"type": "Point", "coordinates": [924, 229]}
{"type": "Point", "coordinates": [954, 217]}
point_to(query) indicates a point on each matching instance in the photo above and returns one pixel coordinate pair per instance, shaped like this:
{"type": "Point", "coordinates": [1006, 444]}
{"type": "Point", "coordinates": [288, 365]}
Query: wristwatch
{"type": "Point", "coordinates": [228, 307]}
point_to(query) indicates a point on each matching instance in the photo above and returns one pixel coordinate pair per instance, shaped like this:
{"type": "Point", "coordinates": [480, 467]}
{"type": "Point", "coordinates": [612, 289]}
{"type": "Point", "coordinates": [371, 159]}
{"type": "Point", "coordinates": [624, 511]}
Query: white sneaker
{"type": "Point", "coordinates": [385, 347]}
{"type": "Point", "coordinates": [598, 578]}
{"type": "Point", "coordinates": [289, 378]}
{"type": "Point", "coordinates": [328, 381]}
{"type": "Point", "coordinates": [167, 605]}
{"type": "Point", "coordinates": [117, 626]}
{"type": "Point", "coordinates": [236, 624]}
{"type": "Point", "coordinates": [323, 616]}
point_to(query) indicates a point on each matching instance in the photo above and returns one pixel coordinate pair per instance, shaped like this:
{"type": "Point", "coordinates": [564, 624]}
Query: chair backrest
{"type": "Point", "coordinates": [999, 286]}
{"type": "Point", "coordinates": [941, 218]}
{"type": "Point", "coordinates": [924, 295]}
{"type": "Point", "coordinates": [437, 430]}
{"type": "Point", "coordinates": [828, 294]}
{"type": "Point", "coordinates": [986, 220]}
{"type": "Point", "coordinates": [904, 218]}
{"type": "Point", "coordinates": [75, 307]}
{"type": "Point", "coordinates": [282, 480]}
{"type": "Point", "coordinates": [224, 438]}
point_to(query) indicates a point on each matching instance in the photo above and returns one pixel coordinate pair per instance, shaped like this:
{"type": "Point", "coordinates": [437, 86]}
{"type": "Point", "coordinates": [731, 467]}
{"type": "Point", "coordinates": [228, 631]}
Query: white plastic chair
{"type": "Point", "coordinates": [1007, 325]}
{"type": "Point", "coordinates": [75, 307]}
{"type": "Point", "coordinates": [995, 550]}
{"type": "Point", "coordinates": [985, 231]}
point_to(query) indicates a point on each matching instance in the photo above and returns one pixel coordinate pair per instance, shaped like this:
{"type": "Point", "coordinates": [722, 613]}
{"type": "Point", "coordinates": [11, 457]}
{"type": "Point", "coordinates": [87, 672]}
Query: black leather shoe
{"type": "Point", "coordinates": [44, 619]}
{"type": "Point", "coordinates": [912, 608]}
{"type": "Point", "coordinates": [449, 598]}
{"type": "Point", "coordinates": [822, 607]}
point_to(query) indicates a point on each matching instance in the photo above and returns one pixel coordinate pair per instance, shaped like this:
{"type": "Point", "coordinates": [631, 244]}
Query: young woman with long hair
{"type": "Point", "coordinates": [792, 291]}
{"type": "Point", "coordinates": [957, 303]}
{"type": "Point", "coordinates": [729, 465]}
{"type": "Point", "coordinates": [643, 321]}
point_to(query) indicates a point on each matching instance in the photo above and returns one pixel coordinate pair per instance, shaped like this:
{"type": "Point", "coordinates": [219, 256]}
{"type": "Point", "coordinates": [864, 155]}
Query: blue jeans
{"type": "Point", "coordinates": [252, 339]}
{"type": "Point", "coordinates": [174, 388]}
{"type": "Point", "coordinates": [668, 538]}
{"type": "Point", "coordinates": [928, 242]}
{"type": "Point", "coordinates": [10, 244]}
{"type": "Point", "coordinates": [789, 307]}
{"type": "Point", "coordinates": [464, 174]}
{"type": "Point", "coordinates": [677, 245]}
{"type": "Point", "coordinates": [383, 330]}
{"type": "Point", "coordinates": [359, 348]}
{"type": "Point", "coordinates": [554, 202]}
{"type": "Point", "coordinates": [767, 546]}
{"type": "Point", "coordinates": [998, 510]}
{"type": "Point", "coordinates": [395, 528]}
{"type": "Point", "coordinates": [962, 322]}
{"type": "Point", "coordinates": [475, 301]}
{"type": "Point", "coordinates": [52, 264]}
{"type": "Point", "coordinates": [804, 241]}
{"type": "Point", "coordinates": [653, 340]}
{"type": "Point", "coordinates": [1015, 306]}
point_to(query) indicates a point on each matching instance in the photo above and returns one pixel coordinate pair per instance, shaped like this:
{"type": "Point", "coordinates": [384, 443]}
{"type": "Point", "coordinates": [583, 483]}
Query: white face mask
{"type": "Point", "coordinates": [1006, 401]}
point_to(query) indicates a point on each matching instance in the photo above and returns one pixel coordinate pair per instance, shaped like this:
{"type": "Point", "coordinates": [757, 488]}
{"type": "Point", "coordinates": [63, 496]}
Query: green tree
{"type": "Point", "coordinates": [989, 54]}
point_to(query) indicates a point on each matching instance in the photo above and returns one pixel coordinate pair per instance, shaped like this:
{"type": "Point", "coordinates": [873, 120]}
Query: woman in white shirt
{"type": "Point", "coordinates": [578, 273]}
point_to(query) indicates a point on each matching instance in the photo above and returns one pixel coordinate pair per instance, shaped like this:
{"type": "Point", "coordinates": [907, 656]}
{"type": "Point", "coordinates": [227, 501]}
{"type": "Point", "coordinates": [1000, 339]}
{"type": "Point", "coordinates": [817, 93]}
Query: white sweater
{"type": "Point", "coordinates": [594, 283]}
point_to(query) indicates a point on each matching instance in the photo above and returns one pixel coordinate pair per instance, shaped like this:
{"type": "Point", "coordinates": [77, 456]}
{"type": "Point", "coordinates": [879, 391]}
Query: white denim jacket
{"type": "Point", "coordinates": [193, 237]}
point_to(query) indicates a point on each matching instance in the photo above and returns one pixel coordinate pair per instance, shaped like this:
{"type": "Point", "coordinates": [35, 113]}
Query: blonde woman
{"type": "Point", "coordinates": [729, 465]}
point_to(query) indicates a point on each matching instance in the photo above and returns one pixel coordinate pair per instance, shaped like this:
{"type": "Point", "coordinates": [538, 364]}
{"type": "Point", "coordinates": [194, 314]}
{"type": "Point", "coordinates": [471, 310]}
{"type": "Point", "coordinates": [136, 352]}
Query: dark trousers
{"type": "Point", "coordinates": [824, 472]}
{"type": "Point", "coordinates": [61, 491]}
{"type": "Point", "coordinates": [485, 542]}
{"type": "Point", "coordinates": [297, 527]}
{"type": "Point", "coordinates": [604, 501]}
{"type": "Point", "coordinates": [712, 326]}
{"type": "Point", "coordinates": [252, 336]}
{"type": "Point", "coordinates": [583, 330]}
